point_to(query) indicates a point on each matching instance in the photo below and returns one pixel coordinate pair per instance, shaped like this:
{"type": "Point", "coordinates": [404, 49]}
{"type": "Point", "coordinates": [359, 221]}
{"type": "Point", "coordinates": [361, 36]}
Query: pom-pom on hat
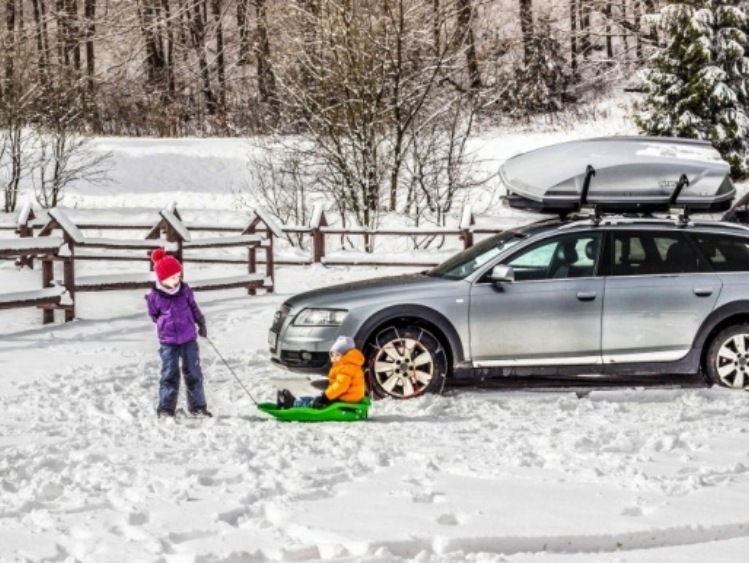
{"type": "Point", "coordinates": [164, 265]}
{"type": "Point", "coordinates": [343, 345]}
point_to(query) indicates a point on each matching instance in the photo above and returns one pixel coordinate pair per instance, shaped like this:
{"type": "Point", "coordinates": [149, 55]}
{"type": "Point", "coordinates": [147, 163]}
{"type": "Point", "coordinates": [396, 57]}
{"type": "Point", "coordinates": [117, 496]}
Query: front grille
{"type": "Point", "coordinates": [314, 360]}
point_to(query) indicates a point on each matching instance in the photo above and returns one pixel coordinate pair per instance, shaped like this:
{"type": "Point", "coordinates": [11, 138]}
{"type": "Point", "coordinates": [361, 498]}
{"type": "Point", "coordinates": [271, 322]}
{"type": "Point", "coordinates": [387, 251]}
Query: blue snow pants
{"type": "Point", "coordinates": [171, 354]}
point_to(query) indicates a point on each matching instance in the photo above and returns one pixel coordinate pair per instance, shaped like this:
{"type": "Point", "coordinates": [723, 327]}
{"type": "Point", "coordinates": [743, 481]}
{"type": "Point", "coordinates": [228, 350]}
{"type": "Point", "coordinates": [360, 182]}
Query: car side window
{"type": "Point", "coordinates": [562, 257]}
{"type": "Point", "coordinates": [725, 253]}
{"type": "Point", "coordinates": [638, 254]}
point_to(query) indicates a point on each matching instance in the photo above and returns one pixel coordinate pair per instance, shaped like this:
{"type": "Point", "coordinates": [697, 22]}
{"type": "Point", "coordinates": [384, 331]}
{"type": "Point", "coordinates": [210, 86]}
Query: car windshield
{"type": "Point", "coordinates": [466, 262]}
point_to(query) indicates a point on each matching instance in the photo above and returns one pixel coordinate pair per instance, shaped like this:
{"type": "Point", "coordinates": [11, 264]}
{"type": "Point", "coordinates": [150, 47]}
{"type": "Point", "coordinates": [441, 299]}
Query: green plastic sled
{"type": "Point", "coordinates": [337, 412]}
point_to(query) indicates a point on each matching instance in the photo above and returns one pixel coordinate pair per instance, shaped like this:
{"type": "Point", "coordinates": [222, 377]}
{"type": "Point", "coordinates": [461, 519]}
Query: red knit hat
{"type": "Point", "coordinates": [164, 265]}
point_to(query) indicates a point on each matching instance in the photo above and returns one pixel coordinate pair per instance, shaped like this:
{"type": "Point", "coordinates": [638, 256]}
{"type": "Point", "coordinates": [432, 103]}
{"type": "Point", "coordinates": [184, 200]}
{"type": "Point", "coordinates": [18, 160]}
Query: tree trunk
{"type": "Point", "coordinates": [265, 74]}
{"type": "Point", "coordinates": [68, 21]}
{"type": "Point", "coordinates": [638, 32]}
{"type": "Point", "coordinates": [220, 56]}
{"type": "Point", "coordinates": [585, 43]}
{"type": "Point", "coordinates": [10, 26]}
{"type": "Point", "coordinates": [526, 27]}
{"type": "Point", "coordinates": [465, 21]}
{"type": "Point", "coordinates": [436, 20]}
{"type": "Point", "coordinates": [243, 24]}
{"type": "Point", "coordinates": [15, 140]}
{"type": "Point", "coordinates": [609, 41]}
{"type": "Point", "coordinates": [168, 49]}
{"type": "Point", "coordinates": [650, 6]}
{"type": "Point", "coordinates": [625, 36]}
{"type": "Point", "coordinates": [155, 62]}
{"type": "Point", "coordinates": [573, 36]}
{"type": "Point", "coordinates": [90, 14]}
{"type": "Point", "coordinates": [42, 36]}
{"type": "Point", "coordinates": [197, 31]}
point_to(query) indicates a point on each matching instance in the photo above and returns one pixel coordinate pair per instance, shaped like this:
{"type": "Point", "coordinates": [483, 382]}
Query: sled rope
{"type": "Point", "coordinates": [231, 370]}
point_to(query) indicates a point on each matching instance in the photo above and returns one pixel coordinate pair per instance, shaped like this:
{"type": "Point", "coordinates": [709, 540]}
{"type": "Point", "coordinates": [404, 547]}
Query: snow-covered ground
{"type": "Point", "coordinates": [87, 473]}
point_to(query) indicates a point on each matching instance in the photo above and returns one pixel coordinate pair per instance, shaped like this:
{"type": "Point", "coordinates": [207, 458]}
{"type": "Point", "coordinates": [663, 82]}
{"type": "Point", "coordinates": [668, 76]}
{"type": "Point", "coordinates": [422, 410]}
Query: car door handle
{"type": "Point", "coordinates": [586, 295]}
{"type": "Point", "coordinates": [703, 291]}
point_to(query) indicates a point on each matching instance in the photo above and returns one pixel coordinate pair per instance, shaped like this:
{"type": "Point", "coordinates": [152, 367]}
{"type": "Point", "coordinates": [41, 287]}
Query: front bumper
{"type": "Point", "coordinates": [300, 349]}
{"type": "Point", "coordinates": [302, 361]}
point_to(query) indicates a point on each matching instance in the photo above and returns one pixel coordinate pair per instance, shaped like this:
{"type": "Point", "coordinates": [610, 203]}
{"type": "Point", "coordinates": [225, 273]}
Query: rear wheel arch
{"type": "Point", "coordinates": [731, 315]}
{"type": "Point", "coordinates": [727, 315]}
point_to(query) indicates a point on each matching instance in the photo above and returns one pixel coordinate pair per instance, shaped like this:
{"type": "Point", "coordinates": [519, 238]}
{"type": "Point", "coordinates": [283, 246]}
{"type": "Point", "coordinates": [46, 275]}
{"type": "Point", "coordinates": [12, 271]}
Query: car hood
{"type": "Point", "coordinates": [629, 173]}
{"type": "Point", "coordinates": [346, 294]}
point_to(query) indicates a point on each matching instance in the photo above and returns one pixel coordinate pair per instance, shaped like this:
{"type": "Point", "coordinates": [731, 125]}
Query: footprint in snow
{"type": "Point", "coordinates": [450, 519]}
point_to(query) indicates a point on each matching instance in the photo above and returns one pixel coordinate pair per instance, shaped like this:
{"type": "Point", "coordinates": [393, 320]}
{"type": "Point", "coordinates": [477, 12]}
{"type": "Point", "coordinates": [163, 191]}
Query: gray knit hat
{"type": "Point", "coordinates": [343, 345]}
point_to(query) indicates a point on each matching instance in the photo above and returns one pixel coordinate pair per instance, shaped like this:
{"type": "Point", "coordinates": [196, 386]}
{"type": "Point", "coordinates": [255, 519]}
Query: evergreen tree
{"type": "Point", "coordinates": [541, 82]}
{"type": "Point", "coordinates": [697, 85]}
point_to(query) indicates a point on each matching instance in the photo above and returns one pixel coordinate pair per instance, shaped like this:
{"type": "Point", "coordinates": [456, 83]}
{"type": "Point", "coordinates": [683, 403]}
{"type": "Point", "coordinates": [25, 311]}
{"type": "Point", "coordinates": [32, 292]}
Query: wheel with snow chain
{"type": "Point", "coordinates": [727, 362]}
{"type": "Point", "coordinates": [405, 361]}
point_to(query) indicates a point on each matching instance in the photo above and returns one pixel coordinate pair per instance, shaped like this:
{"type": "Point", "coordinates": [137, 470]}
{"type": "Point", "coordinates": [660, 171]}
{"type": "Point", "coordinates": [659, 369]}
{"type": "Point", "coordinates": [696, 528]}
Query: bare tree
{"type": "Point", "coordinates": [63, 158]}
{"type": "Point", "coordinates": [365, 89]}
{"type": "Point", "coordinates": [280, 181]}
{"type": "Point", "coordinates": [19, 91]}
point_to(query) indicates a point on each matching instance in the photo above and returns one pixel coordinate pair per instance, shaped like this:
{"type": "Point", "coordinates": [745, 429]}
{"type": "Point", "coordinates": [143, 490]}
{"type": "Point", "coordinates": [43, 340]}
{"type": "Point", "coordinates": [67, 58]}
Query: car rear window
{"type": "Point", "coordinates": [653, 253]}
{"type": "Point", "coordinates": [725, 253]}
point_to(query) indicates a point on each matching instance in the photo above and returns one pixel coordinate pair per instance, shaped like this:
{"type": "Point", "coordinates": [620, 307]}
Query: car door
{"type": "Point", "coordinates": [659, 292]}
{"type": "Point", "coordinates": [550, 314]}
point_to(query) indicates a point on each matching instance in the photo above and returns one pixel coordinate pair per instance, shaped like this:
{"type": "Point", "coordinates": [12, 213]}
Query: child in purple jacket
{"type": "Point", "coordinates": [172, 306]}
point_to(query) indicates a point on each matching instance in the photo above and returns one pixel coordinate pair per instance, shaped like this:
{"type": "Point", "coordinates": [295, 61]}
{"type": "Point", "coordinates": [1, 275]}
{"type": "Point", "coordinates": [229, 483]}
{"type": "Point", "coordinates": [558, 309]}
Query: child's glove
{"type": "Point", "coordinates": [321, 401]}
{"type": "Point", "coordinates": [202, 329]}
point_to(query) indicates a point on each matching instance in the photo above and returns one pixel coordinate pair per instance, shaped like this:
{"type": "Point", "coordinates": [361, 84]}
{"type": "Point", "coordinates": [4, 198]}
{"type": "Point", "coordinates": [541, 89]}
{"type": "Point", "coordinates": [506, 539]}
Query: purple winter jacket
{"type": "Point", "coordinates": [175, 315]}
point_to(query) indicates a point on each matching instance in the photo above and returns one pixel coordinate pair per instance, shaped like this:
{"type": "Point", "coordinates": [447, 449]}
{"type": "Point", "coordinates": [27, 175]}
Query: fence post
{"type": "Point", "coordinates": [271, 230]}
{"type": "Point", "coordinates": [467, 221]}
{"type": "Point", "coordinates": [48, 274]}
{"type": "Point", "coordinates": [251, 256]}
{"type": "Point", "coordinates": [68, 276]}
{"type": "Point", "coordinates": [72, 237]}
{"type": "Point", "coordinates": [25, 230]}
{"type": "Point", "coordinates": [318, 236]}
{"type": "Point", "coordinates": [269, 260]}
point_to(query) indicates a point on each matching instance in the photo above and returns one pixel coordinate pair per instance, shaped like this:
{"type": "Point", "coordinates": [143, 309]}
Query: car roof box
{"type": "Point", "coordinates": [619, 174]}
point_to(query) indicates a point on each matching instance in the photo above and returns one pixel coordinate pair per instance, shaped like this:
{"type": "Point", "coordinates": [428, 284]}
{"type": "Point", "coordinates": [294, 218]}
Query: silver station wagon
{"type": "Point", "coordinates": [605, 289]}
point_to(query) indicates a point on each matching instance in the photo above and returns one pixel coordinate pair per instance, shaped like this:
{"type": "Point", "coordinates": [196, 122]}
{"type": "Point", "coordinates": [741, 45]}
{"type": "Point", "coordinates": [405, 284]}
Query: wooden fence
{"type": "Point", "coordinates": [72, 245]}
{"type": "Point", "coordinates": [318, 231]}
{"type": "Point", "coordinates": [66, 245]}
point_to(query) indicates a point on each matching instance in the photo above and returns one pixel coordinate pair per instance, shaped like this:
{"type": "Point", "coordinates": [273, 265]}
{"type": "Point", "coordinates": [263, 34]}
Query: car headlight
{"type": "Point", "coordinates": [320, 317]}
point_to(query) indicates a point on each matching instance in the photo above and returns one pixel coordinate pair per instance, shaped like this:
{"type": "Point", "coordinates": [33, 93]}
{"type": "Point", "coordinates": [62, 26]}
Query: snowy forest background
{"type": "Point", "coordinates": [367, 103]}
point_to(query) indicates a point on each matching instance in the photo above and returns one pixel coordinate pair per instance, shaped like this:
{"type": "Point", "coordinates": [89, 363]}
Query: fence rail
{"type": "Point", "coordinates": [38, 242]}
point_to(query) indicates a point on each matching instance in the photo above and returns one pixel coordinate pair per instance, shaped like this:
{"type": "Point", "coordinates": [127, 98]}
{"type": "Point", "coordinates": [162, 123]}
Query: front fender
{"type": "Point", "coordinates": [420, 312]}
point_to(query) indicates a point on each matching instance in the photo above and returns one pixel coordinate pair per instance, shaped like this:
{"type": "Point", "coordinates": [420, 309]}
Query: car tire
{"type": "Point", "coordinates": [727, 361]}
{"type": "Point", "coordinates": [405, 361]}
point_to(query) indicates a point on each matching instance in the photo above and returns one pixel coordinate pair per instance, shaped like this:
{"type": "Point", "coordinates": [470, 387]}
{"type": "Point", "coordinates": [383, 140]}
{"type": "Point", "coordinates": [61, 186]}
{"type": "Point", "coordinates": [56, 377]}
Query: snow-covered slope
{"type": "Point", "coordinates": [87, 472]}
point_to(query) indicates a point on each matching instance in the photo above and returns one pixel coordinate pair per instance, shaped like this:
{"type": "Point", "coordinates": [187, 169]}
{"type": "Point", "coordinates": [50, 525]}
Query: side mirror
{"type": "Point", "coordinates": [502, 273]}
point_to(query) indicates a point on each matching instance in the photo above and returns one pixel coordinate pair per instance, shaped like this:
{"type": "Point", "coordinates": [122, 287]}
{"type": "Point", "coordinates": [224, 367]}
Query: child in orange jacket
{"type": "Point", "coordinates": [345, 378]}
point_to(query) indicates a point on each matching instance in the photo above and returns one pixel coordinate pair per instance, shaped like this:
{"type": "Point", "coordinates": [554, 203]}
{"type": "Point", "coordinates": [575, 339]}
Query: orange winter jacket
{"type": "Point", "coordinates": [346, 378]}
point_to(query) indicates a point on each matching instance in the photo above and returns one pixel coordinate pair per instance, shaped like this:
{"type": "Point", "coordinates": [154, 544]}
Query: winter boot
{"type": "Point", "coordinates": [284, 399]}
